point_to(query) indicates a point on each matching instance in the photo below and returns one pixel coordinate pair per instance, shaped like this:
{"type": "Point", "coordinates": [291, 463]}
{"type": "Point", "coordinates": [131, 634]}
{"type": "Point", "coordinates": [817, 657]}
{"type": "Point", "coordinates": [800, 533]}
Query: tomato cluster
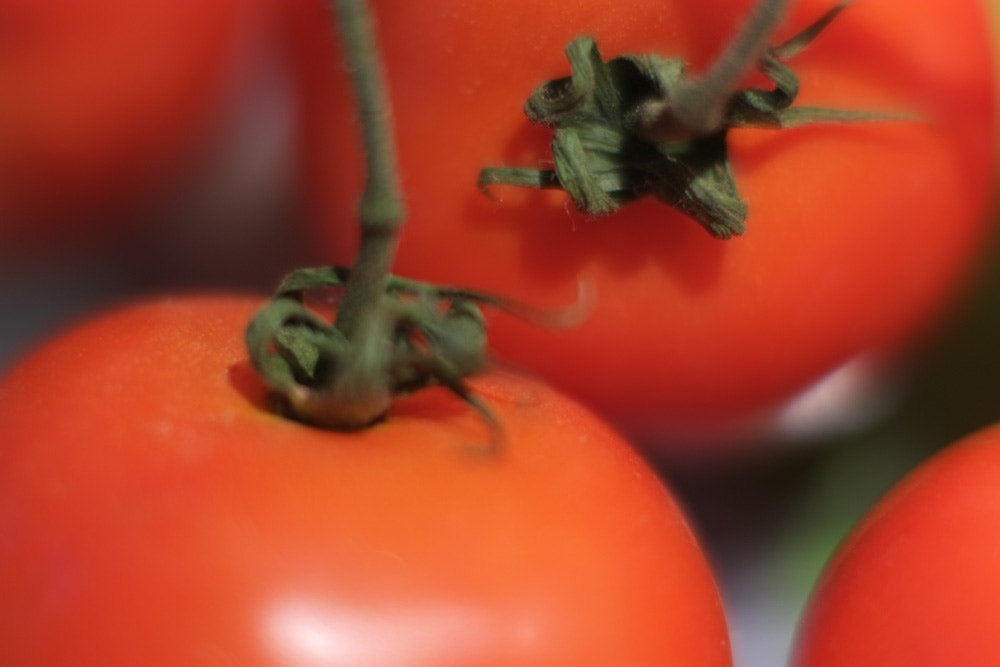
{"type": "Point", "coordinates": [169, 491]}
{"type": "Point", "coordinates": [856, 234]}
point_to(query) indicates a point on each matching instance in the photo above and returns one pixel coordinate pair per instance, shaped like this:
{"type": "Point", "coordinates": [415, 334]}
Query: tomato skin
{"type": "Point", "coordinates": [689, 332]}
{"type": "Point", "coordinates": [916, 582]}
{"type": "Point", "coordinates": [152, 511]}
{"type": "Point", "coordinates": [110, 105]}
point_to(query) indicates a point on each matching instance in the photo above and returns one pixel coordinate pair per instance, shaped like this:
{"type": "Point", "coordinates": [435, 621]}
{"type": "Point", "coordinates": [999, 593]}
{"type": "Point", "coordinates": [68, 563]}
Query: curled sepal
{"type": "Point", "coordinates": [289, 345]}
{"type": "Point", "coordinates": [630, 127]}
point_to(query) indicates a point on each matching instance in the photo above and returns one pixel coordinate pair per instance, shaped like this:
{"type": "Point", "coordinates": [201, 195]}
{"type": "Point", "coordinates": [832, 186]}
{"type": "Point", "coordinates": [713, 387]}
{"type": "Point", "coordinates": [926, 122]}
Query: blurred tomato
{"type": "Point", "coordinates": [107, 103]}
{"type": "Point", "coordinates": [916, 582]}
{"type": "Point", "coordinates": [856, 239]}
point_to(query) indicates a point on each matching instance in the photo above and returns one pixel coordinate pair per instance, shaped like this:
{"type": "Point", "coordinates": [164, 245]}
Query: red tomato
{"type": "Point", "coordinates": [857, 234]}
{"type": "Point", "coordinates": [153, 511]}
{"type": "Point", "coordinates": [916, 582]}
{"type": "Point", "coordinates": [107, 102]}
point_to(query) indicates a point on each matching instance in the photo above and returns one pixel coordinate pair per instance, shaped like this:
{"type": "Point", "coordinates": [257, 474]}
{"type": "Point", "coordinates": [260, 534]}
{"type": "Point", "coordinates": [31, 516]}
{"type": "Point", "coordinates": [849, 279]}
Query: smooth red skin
{"type": "Point", "coordinates": [109, 102]}
{"type": "Point", "coordinates": [153, 512]}
{"type": "Point", "coordinates": [916, 582]}
{"type": "Point", "coordinates": [856, 239]}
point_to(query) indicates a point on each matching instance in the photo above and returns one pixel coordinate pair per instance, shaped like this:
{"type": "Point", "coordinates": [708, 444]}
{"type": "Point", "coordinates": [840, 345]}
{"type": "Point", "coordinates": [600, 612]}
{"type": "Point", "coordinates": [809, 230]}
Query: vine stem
{"type": "Point", "coordinates": [381, 210]}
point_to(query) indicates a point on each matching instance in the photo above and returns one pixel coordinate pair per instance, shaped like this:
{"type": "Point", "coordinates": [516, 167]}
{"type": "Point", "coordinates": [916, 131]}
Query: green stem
{"type": "Point", "coordinates": [382, 210]}
{"type": "Point", "coordinates": [391, 336]}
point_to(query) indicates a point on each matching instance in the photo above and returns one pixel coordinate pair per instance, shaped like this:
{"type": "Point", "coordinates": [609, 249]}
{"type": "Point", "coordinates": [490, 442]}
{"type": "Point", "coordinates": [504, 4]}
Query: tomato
{"type": "Point", "coordinates": [112, 102]}
{"type": "Point", "coordinates": [857, 238]}
{"type": "Point", "coordinates": [916, 582]}
{"type": "Point", "coordinates": [153, 510]}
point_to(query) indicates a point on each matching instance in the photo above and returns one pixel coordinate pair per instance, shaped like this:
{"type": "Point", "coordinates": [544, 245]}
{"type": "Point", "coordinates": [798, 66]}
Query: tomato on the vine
{"type": "Point", "coordinates": [857, 235]}
{"type": "Point", "coordinates": [916, 582]}
{"type": "Point", "coordinates": [155, 510]}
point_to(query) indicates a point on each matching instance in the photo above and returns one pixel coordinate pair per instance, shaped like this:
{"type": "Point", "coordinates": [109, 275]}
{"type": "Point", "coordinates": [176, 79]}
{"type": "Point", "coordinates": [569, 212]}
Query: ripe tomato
{"type": "Point", "coordinates": [109, 102]}
{"type": "Point", "coordinates": [153, 511]}
{"type": "Point", "coordinates": [857, 234]}
{"type": "Point", "coordinates": [916, 582]}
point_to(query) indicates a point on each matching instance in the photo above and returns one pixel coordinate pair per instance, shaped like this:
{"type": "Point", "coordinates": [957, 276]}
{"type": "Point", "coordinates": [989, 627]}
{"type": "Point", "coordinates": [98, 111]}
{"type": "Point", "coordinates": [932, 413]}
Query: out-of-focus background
{"type": "Point", "coordinates": [769, 516]}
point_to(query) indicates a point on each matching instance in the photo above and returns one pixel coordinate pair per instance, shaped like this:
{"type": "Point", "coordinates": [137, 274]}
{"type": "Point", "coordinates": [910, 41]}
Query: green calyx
{"type": "Point", "coordinates": [638, 126]}
{"type": "Point", "coordinates": [424, 335]}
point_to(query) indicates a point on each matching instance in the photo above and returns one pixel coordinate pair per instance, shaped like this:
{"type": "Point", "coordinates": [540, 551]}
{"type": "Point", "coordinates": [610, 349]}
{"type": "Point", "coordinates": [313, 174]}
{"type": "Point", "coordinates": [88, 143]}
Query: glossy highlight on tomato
{"type": "Point", "coordinates": [155, 510]}
{"type": "Point", "coordinates": [857, 239]}
{"type": "Point", "coordinates": [916, 582]}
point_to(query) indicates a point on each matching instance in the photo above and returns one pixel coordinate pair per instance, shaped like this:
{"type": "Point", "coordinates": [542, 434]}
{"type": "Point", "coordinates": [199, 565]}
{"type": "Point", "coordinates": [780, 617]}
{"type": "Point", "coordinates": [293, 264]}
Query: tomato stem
{"type": "Point", "coordinates": [381, 210]}
{"type": "Point", "coordinates": [344, 375]}
{"type": "Point", "coordinates": [699, 104]}
{"type": "Point", "coordinates": [390, 336]}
